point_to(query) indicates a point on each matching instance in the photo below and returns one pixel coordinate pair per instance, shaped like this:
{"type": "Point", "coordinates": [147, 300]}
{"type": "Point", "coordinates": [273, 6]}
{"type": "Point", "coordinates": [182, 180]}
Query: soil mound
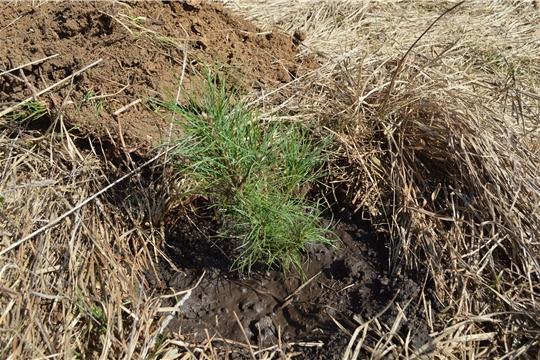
{"type": "Point", "coordinates": [145, 46]}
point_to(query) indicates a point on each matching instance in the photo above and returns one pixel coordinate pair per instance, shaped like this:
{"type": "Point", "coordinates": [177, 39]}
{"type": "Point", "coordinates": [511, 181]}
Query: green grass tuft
{"type": "Point", "coordinates": [256, 175]}
{"type": "Point", "coordinates": [29, 111]}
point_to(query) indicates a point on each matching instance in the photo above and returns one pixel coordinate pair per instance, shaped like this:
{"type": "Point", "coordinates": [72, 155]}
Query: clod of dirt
{"type": "Point", "coordinates": [299, 35]}
{"type": "Point", "coordinates": [265, 330]}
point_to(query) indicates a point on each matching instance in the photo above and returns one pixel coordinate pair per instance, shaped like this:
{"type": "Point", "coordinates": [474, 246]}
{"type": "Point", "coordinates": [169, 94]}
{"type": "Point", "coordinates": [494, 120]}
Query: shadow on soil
{"type": "Point", "coordinates": [352, 281]}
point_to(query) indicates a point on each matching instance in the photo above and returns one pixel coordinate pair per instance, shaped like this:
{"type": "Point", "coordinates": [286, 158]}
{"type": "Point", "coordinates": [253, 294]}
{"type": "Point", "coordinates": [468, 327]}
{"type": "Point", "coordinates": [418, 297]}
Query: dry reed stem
{"type": "Point", "coordinates": [68, 78]}
{"type": "Point", "coordinates": [28, 64]}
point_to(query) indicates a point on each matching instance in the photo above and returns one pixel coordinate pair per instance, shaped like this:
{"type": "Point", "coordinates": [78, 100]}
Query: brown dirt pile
{"type": "Point", "coordinates": [144, 46]}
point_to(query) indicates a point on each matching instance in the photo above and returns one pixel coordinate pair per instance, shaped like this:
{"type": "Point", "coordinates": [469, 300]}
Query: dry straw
{"type": "Point", "coordinates": [449, 168]}
{"type": "Point", "coordinates": [447, 162]}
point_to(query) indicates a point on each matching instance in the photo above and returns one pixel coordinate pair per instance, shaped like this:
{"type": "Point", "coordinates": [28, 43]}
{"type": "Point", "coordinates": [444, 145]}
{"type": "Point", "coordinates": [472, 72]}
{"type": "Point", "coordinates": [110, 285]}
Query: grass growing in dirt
{"type": "Point", "coordinates": [256, 176]}
{"type": "Point", "coordinates": [30, 111]}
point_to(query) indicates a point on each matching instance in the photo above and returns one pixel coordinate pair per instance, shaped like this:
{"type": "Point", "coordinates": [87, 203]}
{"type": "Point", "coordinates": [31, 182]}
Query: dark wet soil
{"type": "Point", "coordinates": [271, 305]}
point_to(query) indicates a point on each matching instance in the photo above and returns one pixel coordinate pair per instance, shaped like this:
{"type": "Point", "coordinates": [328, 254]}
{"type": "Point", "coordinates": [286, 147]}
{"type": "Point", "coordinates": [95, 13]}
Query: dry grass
{"type": "Point", "coordinates": [76, 287]}
{"type": "Point", "coordinates": [449, 168]}
{"type": "Point", "coordinates": [448, 164]}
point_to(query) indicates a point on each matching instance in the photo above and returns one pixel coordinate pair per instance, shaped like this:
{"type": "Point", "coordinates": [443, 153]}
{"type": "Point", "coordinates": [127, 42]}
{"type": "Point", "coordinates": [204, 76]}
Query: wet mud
{"type": "Point", "coordinates": [274, 307]}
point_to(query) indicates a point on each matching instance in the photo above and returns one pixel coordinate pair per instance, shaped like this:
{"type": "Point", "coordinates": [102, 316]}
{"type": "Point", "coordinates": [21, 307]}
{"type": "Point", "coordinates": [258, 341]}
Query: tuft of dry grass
{"type": "Point", "coordinates": [77, 289]}
{"type": "Point", "coordinates": [447, 163]}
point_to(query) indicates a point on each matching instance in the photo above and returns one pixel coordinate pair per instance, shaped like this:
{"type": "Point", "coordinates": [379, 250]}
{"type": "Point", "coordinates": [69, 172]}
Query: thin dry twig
{"type": "Point", "coordinates": [82, 204]}
{"type": "Point", "coordinates": [245, 336]}
{"type": "Point", "coordinates": [402, 60]}
{"type": "Point", "coordinates": [28, 64]}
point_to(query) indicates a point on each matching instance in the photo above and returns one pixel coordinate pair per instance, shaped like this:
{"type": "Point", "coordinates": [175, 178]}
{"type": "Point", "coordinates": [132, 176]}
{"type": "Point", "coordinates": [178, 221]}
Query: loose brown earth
{"type": "Point", "coordinates": [352, 281]}
{"type": "Point", "coordinates": [134, 65]}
